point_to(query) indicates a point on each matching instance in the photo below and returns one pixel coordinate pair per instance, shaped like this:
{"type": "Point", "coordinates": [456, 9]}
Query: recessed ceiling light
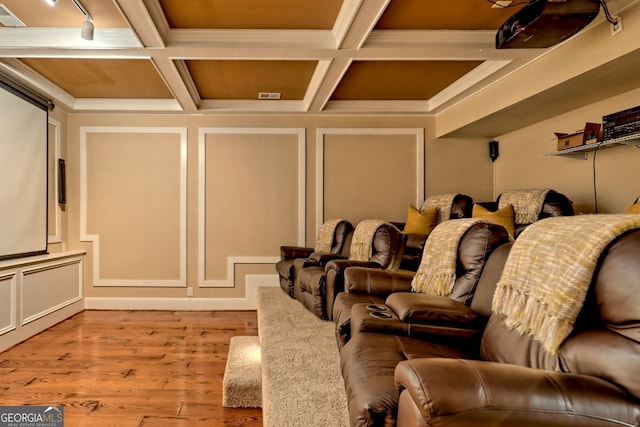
{"type": "Point", "coordinates": [51, 2]}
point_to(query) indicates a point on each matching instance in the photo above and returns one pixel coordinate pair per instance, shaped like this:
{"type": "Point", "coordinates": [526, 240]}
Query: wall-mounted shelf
{"type": "Point", "coordinates": [583, 150]}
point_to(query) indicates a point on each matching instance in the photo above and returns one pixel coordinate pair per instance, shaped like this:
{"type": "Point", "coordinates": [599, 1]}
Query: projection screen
{"type": "Point", "coordinates": [23, 174]}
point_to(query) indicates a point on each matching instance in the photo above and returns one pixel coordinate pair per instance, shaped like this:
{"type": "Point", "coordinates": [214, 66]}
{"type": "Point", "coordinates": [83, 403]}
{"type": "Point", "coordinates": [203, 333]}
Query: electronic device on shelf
{"type": "Point", "coordinates": [621, 124]}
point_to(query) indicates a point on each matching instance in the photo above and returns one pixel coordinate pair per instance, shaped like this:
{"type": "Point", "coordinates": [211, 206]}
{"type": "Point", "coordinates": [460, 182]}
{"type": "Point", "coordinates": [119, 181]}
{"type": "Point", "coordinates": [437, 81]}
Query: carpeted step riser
{"type": "Point", "coordinates": [242, 382]}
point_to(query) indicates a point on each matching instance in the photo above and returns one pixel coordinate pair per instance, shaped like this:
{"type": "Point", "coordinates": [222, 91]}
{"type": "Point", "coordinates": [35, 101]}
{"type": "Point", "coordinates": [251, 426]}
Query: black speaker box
{"type": "Point", "coordinates": [494, 151]}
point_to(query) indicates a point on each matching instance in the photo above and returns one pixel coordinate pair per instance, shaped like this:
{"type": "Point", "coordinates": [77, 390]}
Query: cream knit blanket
{"type": "Point", "coordinates": [362, 240]}
{"type": "Point", "coordinates": [437, 271]}
{"type": "Point", "coordinates": [325, 236]}
{"type": "Point", "coordinates": [441, 201]}
{"type": "Point", "coordinates": [527, 204]}
{"type": "Point", "coordinates": [549, 271]}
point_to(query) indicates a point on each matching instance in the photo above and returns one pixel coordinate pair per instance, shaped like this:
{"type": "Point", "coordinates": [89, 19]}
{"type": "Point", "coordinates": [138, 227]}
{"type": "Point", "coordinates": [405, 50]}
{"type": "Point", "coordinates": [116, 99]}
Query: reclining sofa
{"type": "Point", "coordinates": [532, 205]}
{"type": "Point", "coordinates": [476, 241]}
{"type": "Point", "coordinates": [561, 346]}
{"type": "Point", "coordinates": [319, 278]}
{"type": "Point", "coordinates": [333, 238]}
{"type": "Point", "coordinates": [526, 206]}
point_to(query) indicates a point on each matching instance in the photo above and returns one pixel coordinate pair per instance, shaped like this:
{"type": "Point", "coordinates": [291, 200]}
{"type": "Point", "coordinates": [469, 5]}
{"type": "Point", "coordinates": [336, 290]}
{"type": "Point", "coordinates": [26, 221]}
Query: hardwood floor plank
{"type": "Point", "coordinates": [131, 368]}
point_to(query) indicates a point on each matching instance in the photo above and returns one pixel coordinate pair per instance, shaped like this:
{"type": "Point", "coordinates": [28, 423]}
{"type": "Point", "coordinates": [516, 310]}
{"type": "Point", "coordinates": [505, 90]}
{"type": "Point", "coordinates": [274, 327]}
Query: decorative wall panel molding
{"type": "Point", "coordinates": [55, 211]}
{"type": "Point", "coordinates": [38, 292]}
{"type": "Point", "coordinates": [7, 302]}
{"type": "Point", "coordinates": [248, 302]}
{"type": "Point", "coordinates": [386, 148]}
{"type": "Point", "coordinates": [39, 298]}
{"type": "Point", "coordinates": [137, 254]}
{"type": "Point", "coordinates": [258, 199]}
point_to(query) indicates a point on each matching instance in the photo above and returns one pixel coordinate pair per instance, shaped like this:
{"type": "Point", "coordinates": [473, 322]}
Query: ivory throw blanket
{"type": "Point", "coordinates": [361, 243]}
{"type": "Point", "coordinates": [549, 271]}
{"type": "Point", "coordinates": [437, 271]}
{"type": "Point", "coordinates": [441, 201]}
{"type": "Point", "coordinates": [527, 204]}
{"type": "Point", "coordinates": [325, 236]}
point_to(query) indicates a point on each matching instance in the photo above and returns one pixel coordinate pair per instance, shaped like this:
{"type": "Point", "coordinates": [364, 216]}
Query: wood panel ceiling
{"type": "Point", "coordinates": [209, 56]}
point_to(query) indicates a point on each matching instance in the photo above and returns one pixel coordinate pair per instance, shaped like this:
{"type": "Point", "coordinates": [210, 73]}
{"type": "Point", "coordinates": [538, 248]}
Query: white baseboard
{"type": "Point", "coordinates": [249, 302]}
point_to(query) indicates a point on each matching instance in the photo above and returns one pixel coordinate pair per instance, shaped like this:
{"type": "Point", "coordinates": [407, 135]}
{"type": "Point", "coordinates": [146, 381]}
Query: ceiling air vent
{"type": "Point", "coordinates": [269, 95]}
{"type": "Point", "coordinates": [8, 19]}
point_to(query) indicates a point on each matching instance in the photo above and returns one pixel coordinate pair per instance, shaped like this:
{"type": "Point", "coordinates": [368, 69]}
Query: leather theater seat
{"type": "Point", "coordinates": [339, 244]}
{"type": "Point", "coordinates": [362, 286]}
{"type": "Point", "coordinates": [317, 283]}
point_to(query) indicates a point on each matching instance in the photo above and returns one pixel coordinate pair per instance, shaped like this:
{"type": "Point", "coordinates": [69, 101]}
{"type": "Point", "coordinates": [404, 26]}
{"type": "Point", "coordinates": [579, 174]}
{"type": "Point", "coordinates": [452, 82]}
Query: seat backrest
{"type": "Point", "coordinates": [341, 237]}
{"type": "Point", "coordinates": [555, 204]}
{"type": "Point", "coordinates": [489, 278]}
{"type": "Point", "coordinates": [387, 246]}
{"type": "Point", "coordinates": [605, 341]}
{"type": "Point", "coordinates": [474, 249]}
{"type": "Point", "coordinates": [462, 207]}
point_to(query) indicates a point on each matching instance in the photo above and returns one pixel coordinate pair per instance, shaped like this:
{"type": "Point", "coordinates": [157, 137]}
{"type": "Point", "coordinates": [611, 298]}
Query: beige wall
{"type": "Point", "coordinates": [523, 164]}
{"type": "Point", "coordinates": [162, 203]}
{"type": "Point", "coordinates": [205, 202]}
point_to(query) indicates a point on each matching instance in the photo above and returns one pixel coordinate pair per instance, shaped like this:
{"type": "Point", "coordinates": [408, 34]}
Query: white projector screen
{"type": "Point", "coordinates": [23, 175]}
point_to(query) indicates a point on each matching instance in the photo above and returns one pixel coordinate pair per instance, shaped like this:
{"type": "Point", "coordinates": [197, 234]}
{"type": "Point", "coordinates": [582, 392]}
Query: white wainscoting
{"type": "Point", "coordinates": [38, 292]}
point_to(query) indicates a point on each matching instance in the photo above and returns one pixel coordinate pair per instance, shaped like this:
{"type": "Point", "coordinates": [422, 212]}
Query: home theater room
{"type": "Point", "coordinates": [289, 213]}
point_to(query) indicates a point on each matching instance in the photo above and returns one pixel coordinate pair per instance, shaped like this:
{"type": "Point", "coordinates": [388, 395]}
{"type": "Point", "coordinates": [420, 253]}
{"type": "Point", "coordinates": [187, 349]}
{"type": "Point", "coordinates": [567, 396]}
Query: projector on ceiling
{"type": "Point", "coordinates": [544, 23]}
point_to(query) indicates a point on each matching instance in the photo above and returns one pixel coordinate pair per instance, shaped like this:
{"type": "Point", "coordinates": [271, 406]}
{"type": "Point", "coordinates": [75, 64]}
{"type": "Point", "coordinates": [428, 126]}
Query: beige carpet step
{"type": "Point", "coordinates": [242, 382]}
{"type": "Point", "coordinates": [302, 382]}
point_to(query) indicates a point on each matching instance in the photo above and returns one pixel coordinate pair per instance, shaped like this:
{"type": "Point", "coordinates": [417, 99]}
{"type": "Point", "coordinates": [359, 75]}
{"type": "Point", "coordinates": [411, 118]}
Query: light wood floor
{"type": "Point", "coordinates": [130, 368]}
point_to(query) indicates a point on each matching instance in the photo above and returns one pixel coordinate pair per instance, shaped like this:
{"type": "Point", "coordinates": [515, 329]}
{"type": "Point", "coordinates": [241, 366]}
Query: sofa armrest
{"type": "Point", "coordinates": [483, 394]}
{"type": "Point", "coordinates": [376, 281]}
{"type": "Point", "coordinates": [323, 257]}
{"type": "Point", "coordinates": [414, 307]}
{"type": "Point", "coordinates": [340, 265]}
{"type": "Point", "coordinates": [290, 252]}
{"type": "Point", "coordinates": [380, 318]}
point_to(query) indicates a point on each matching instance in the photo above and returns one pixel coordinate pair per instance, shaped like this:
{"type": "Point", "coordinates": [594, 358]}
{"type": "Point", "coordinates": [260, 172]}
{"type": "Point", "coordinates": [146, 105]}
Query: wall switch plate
{"type": "Point", "coordinates": [189, 291]}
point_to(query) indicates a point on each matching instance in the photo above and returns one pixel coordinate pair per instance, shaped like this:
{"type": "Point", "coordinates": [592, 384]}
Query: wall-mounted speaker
{"type": "Point", "coordinates": [494, 151]}
{"type": "Point", "coordinates": [62, 182]}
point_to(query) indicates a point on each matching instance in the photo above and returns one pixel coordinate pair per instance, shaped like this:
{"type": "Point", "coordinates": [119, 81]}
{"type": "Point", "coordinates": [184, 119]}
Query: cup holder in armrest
{"type": "Point", "coordinates": [380, 315]}
{"type": "Point", "coordinates": [376, 307]}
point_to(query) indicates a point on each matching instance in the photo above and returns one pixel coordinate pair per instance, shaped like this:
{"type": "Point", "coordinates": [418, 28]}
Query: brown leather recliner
{"type": "Point", "coordinates": [461, 207]}
{"type": "Point", "coordinates": [363, 286]}
{"type": "Point", "coordinates": [317, 284]}
{"type": "Point", "coordinates": [288, 254]}
{"type": "Point", "coordinates": [555, 204]}
{"type": "Point", "coordinates": [593, 380]}
{"type": "Point", "coordinates": [435, 326]}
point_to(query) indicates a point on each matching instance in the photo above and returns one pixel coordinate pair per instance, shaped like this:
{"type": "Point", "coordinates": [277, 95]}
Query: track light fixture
{"type": "Point", "coordinates": [87, 28]}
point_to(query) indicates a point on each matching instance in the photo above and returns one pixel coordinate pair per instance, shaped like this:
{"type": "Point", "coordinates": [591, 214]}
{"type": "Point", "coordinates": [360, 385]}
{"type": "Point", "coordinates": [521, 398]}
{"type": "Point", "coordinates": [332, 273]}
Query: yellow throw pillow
{"type": "Point", "coordinates": [503, 217]}
{"type": "Point", "coordinates": [420, 222]}
{"type": "Point", "coordinates": [633, 209]}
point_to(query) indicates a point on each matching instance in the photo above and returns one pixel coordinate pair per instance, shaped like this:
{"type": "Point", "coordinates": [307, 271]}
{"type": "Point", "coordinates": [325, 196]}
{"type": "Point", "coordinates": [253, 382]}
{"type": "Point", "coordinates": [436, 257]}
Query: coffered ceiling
{"type": "Point", "coordinates": [259, 56]}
